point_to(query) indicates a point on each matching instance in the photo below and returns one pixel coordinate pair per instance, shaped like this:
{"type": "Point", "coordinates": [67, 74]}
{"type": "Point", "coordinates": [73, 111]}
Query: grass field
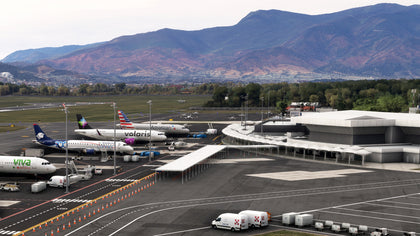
{"type": "Point", "coordinates": [9, 128]}
{"type": "Point", "coordinates": [129, 104]}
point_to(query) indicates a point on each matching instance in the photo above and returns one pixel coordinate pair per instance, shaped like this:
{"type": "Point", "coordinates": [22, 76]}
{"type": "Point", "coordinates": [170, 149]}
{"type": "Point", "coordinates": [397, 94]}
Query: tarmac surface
{"type": "Point", "coordinates": [136, 202]}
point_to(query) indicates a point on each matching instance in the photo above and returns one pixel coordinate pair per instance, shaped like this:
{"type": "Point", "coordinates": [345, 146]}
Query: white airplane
{"type": "Point", "coordinates": [86, 146]}
{"type": "Point", "coordinates": [125, 123]}
{"type": "Point", "coordinates": [129, 136]}
{"type": "Point", "coordinates": [25, 165]}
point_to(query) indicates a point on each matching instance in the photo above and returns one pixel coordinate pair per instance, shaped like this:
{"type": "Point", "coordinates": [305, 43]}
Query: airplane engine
{"type": "Point", "coordinates": [89, 151]}
{"type": "Point", "coordinates": [129, 141]}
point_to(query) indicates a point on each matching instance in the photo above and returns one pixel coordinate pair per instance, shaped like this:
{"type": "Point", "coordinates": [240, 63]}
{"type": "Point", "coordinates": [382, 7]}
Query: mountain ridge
{"type": "Point", "coordinates": [381, 40]}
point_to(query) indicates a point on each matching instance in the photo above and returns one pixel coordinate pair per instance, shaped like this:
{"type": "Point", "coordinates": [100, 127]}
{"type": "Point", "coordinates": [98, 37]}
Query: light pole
{"type": "Point", "coordinates": [67, 153]}
{"type": "Point", "coordinates": [150, 129]}
{"type": "Point", "coordinates": [115, 142]}
{"type": "Point", "coordinates": [262, 114]}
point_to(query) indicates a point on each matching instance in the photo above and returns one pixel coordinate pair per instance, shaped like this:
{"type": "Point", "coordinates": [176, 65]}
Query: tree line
{"type": "Point", "coordinates": [371, 95]}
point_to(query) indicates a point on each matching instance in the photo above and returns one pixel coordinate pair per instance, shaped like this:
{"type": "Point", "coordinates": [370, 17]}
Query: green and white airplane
{"type": "Point", "coordinates": [25, 165]}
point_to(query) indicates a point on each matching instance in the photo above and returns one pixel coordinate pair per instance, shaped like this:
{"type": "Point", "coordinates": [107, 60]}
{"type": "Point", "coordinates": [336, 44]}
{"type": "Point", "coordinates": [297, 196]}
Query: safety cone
{"type": "Point", "coordinates": [110, 204]}
{"type": "Point", "coordinates": [58, 229]}
{"type": "Point", "coordinates": [94, 211]}
{"type": "Point", "coordinates": [62, 216]}
{"type": "Point", "coordinates": [33, 230]}
{"type": "Point", "coordinates": [69, 225]}
{"type": "Point", "coordinates": [89, 214]}
{"type": "Point", "coordinates": [77, 209]}
{"type": "Point", "coordinates": [64, 226]}
{"type": "Point", "coordinates": [74, 221]}
{"type": "Point", "coordinates": [99, 210]}
{"type": "Point", "coordinates": [52, 232]}
{"type": "Point", "coordinates": [82, 206]}
{"type": "Point", "coordinates": [40, 227]}
{"type": "Point", "coordinates": [103, 207]}
{"type": "Point", "coordinates": [68, 213]}
{"type": "Point", "coordinates": [80, 219]}
{"type": "Point", "coordinates": [106, 206]}
{"type": "Point", "coordinates": [84, 216]}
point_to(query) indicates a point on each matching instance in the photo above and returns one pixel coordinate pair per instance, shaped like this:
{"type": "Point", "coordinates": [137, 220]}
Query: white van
{"type": "Point", "coordinates": [60, 180]}
{"type": "Point", "coordinates": [230, 221]}
{"type": "Point", "coordinates": [256, 218]}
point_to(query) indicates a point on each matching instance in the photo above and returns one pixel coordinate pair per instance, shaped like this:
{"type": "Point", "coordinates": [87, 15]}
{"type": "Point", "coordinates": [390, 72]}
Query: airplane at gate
{"type": "Point", "coordinates": [86, 146]}
{"type": "Point", "coordinates": [125, 123]}
{"type": "Point", "coordinates": [25, 165]}
{"type": "Point", "coordinates": [129, 136]}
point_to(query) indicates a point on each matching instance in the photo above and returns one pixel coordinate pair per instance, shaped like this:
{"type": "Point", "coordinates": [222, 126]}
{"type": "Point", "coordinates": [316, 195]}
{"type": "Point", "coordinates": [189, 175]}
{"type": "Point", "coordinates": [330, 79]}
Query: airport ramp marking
{"type": "Point", "coordinates": [69, 200]}
{"type": "Point", "coordinates": [308, 175]}
{"type": "Point", "coordinates": [6, 203]}
{"type": "Point", "coordinates": [238, 160]}
{"type": "Point", "coordinates": [121, 180]}
{"type": "Point", "coordinates": [7, 232]}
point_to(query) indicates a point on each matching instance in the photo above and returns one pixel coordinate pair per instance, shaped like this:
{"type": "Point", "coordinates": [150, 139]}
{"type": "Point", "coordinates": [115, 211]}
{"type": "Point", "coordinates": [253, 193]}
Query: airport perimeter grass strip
{"type": "Point", "coordinates": [9, 128]}
{"type": "Point", "coordinates": [96, 108]}
{"type": "Point", "coordinates": [71, 211]}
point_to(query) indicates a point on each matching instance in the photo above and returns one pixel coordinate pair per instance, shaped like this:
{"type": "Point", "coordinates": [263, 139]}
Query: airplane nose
{"type": "Point", "coordinates": [52, 168]}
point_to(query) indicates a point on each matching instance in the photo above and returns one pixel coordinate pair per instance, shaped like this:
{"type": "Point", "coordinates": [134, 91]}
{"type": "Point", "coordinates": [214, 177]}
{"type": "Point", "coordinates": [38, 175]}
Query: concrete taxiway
{"type": "Point", "coordinates": [243, 180]}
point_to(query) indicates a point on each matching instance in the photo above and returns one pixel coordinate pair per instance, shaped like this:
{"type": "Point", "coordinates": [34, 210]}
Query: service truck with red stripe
{"type": "Point", "coordinates": [231, 221]}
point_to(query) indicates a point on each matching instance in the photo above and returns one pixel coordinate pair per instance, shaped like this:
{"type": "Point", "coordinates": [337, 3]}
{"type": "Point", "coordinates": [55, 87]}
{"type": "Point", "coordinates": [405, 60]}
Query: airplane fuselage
{"type": "Point", "coordinates": [167, 128]}
{"type": "Point", "coordinates": [108, 134]}
{"type": "Point", "coordinates": [25, 165]}
{"type": "Point", "coordinates": [87, 145]}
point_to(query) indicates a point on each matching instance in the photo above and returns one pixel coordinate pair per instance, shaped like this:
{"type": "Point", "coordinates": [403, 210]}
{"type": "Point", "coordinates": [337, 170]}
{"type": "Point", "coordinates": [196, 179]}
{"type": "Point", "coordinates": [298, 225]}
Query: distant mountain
{"type": "Point", "coordinates": [34, 55]}
{"type": "Point", "coordinates": [381, 41]}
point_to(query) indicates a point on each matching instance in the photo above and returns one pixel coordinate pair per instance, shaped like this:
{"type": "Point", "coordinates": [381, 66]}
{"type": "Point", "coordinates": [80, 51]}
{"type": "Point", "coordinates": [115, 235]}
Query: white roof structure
{"type": "Point", "coordinates": [353, 118]}
{"type": "Point", "coordinates": [191, 159]}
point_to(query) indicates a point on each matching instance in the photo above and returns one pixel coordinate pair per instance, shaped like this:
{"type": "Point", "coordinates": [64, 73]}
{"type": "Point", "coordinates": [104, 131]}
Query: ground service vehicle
{"type": "Point", "coordinates": [256, 218]}
{"type": "Point", "coordinates": [60, 180]}
{"type": "Point", "coordinates": [231, 221]}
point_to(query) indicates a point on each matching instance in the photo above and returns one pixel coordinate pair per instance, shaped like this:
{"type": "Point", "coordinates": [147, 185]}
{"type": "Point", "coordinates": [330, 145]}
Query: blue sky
{"type": "Point", "coordinates": [26, 24]}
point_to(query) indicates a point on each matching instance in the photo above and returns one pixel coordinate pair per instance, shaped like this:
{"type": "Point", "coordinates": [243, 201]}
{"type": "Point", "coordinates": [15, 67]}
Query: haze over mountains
{"type": "Point", "coordinates": [271, 45]}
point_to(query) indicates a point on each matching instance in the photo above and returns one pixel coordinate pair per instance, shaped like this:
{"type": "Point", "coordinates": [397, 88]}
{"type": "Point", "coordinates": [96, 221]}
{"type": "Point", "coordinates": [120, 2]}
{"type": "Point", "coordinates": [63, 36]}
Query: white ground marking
{"type": "Point", "coordinates": [229, 161]}
{"type": "Point", "coordinates": [183, 231]}
{"type": "Point", "coordinates": [234, 161]}
{"type": "Point", "coordinates": [306, 175]}
{"type": "Point", "coordinates": [4, 203]}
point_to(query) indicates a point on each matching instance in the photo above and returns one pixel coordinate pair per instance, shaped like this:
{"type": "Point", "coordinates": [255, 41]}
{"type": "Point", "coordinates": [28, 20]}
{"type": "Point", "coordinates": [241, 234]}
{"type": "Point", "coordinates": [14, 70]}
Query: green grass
{"type": "Point", "coordinates": [9, 128]}
{"type": "Point", "coordinates": [129, 104]}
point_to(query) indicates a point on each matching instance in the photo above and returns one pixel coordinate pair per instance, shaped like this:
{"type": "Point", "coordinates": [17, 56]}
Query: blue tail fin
{"type": "Point", "coordinates": [81, 121]}
{"type": "Point", "coordinates": [40, 135]}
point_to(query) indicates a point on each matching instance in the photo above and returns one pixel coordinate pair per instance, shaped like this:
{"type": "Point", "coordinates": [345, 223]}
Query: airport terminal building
{"type": "Point", "coordinates": [383, 136]}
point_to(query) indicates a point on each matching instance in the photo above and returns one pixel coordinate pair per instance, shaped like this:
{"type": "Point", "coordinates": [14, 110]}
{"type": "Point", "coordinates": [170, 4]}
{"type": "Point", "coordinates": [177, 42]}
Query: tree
{"type": "Point", "coordinates": [390, 103]}
{"type": "Point", "coordinates": [219, 95]}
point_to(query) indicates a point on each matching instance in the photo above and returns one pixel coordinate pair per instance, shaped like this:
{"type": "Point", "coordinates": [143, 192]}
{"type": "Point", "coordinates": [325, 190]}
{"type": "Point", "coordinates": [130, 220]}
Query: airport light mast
{"type": "Point", "coordinates": [67, 152]}
{"type": "Point", "coordinates": [115, 142]}
{"type": "Point", "coordinates": [262, 114]}
{"type": "Point", "coordinates": [150, 129]}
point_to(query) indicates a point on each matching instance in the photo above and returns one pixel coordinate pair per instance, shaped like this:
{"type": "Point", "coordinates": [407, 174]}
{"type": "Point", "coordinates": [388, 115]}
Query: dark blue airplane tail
{"type": "Point", "coordinates": [41, 137]}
